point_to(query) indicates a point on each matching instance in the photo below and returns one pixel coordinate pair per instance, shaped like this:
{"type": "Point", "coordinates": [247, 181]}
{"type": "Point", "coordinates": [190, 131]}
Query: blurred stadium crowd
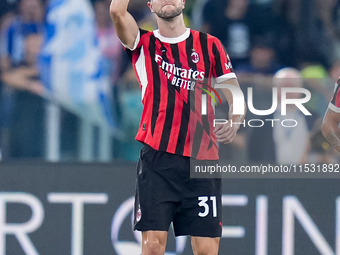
{"type": "Point", "coordinates": [261, 37]}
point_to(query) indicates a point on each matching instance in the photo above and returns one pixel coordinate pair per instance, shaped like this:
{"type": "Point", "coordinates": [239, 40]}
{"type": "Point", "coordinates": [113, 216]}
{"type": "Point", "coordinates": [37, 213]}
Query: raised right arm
{"type": "Point", "coordinates": [126, 26]}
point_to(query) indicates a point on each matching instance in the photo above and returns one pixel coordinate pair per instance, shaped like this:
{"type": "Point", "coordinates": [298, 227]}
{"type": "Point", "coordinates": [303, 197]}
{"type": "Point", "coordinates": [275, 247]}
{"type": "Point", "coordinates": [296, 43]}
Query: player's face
{"type": "Point", "coordinates": [166, 9]}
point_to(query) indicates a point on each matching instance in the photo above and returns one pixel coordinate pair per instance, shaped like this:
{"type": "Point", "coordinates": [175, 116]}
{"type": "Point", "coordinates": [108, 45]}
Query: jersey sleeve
{"type": "Point", "coordinates": [334, 105]}
{"type": "Point", "coordinates": [223, 69]}
{"type": "Point", "coordinates": [135, 45]}
{"type": "Point", "coordinates": [139, 41]}
{"type": "Point", "coordinates": [135, 52]}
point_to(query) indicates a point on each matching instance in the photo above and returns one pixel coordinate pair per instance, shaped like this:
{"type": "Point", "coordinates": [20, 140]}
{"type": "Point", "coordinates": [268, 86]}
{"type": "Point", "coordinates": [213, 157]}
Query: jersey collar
{"type": "Point", "coordinates": [178, 39]}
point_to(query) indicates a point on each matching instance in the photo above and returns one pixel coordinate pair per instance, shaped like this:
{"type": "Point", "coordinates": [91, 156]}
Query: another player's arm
{"type": "Point", "coordinates": [226, 133]}
{"type": "Point", "coordinates": [330, 128]}
{"type": "Point", "coordinates": [126, 26]}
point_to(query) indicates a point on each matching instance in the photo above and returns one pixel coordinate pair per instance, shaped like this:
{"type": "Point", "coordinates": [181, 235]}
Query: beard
{"type": "Point", "coordinates": [168, 16]}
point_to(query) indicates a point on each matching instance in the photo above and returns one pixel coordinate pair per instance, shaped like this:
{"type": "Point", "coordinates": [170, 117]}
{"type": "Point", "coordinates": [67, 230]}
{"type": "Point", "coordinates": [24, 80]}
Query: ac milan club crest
{"type": "Point", "coordinates": [195, 57]}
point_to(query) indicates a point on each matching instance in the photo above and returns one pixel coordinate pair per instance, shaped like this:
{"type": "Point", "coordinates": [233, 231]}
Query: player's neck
{"type": "Point", "coordinates": [172, 28]}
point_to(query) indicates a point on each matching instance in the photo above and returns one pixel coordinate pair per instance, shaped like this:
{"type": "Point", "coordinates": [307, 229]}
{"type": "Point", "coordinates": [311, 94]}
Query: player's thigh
{"type": "Point", "coordinates": [205, 245]}
{"type": "Point", "coordinates": [200, 211]}
{"type": "Point", "coordinates": [157, 190]}
{"type": "Point", "coordinates": [154, 242]}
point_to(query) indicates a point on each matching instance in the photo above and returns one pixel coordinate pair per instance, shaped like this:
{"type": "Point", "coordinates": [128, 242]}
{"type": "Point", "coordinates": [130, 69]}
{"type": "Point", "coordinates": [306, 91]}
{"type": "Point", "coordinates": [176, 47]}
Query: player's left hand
{"type": "Point", "coordinates": [225, 133]}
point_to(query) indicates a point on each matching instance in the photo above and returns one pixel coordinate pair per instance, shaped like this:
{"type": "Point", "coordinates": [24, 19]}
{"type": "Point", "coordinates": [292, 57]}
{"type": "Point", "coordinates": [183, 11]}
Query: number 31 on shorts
{"type": "Point", "coordinates": [203, 202]}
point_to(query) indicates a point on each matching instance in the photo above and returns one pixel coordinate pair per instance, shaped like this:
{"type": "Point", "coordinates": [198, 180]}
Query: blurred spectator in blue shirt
{"type": "Point", "coordinates": [29, 20]}
{"type": "Point", "coordinates": [262, 59]}
{"type": "Point", "coordinates": [26, 129]}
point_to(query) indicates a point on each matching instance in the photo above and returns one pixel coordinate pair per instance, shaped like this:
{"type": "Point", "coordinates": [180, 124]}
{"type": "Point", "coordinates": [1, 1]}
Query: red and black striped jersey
{"type": "Point", "coordinates": [334, 105]}
{"type": "Point", "coordinates": [173, 73]}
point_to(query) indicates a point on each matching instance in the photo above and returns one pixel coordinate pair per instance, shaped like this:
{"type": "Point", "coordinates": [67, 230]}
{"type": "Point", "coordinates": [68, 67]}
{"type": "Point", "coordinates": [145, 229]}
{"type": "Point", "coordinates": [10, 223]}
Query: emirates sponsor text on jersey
{"type": "Point", "coordinates": [179, 77]}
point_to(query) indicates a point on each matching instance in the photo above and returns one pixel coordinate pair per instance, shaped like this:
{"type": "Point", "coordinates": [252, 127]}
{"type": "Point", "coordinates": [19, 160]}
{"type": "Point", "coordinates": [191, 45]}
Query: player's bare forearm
{"type": "Point", "coordinates": [330, 128]}
{"type": "Point", "coordinates": [226, 133]}
{"type": "Point", "coordinates": [237, 120]}
{"type": "Point", "coordinates": [229, 97]}
{"type": "Point", "coordinates": [125, 24]}
{"type": "Point", "coordinates": [333, 137]}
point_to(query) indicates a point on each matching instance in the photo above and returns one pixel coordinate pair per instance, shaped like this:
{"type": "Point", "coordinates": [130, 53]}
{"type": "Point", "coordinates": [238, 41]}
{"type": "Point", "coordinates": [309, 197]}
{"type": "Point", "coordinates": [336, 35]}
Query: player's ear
{"type": "Point", "coordinates": [150, 5]}
{"type": "Point", "coordinates": [183, 4]}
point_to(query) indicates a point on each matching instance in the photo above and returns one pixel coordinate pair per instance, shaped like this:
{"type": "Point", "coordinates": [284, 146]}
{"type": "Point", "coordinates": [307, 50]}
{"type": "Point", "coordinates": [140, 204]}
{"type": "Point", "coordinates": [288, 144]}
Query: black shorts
{"type": "Point", "coordinates": [165, 193]}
